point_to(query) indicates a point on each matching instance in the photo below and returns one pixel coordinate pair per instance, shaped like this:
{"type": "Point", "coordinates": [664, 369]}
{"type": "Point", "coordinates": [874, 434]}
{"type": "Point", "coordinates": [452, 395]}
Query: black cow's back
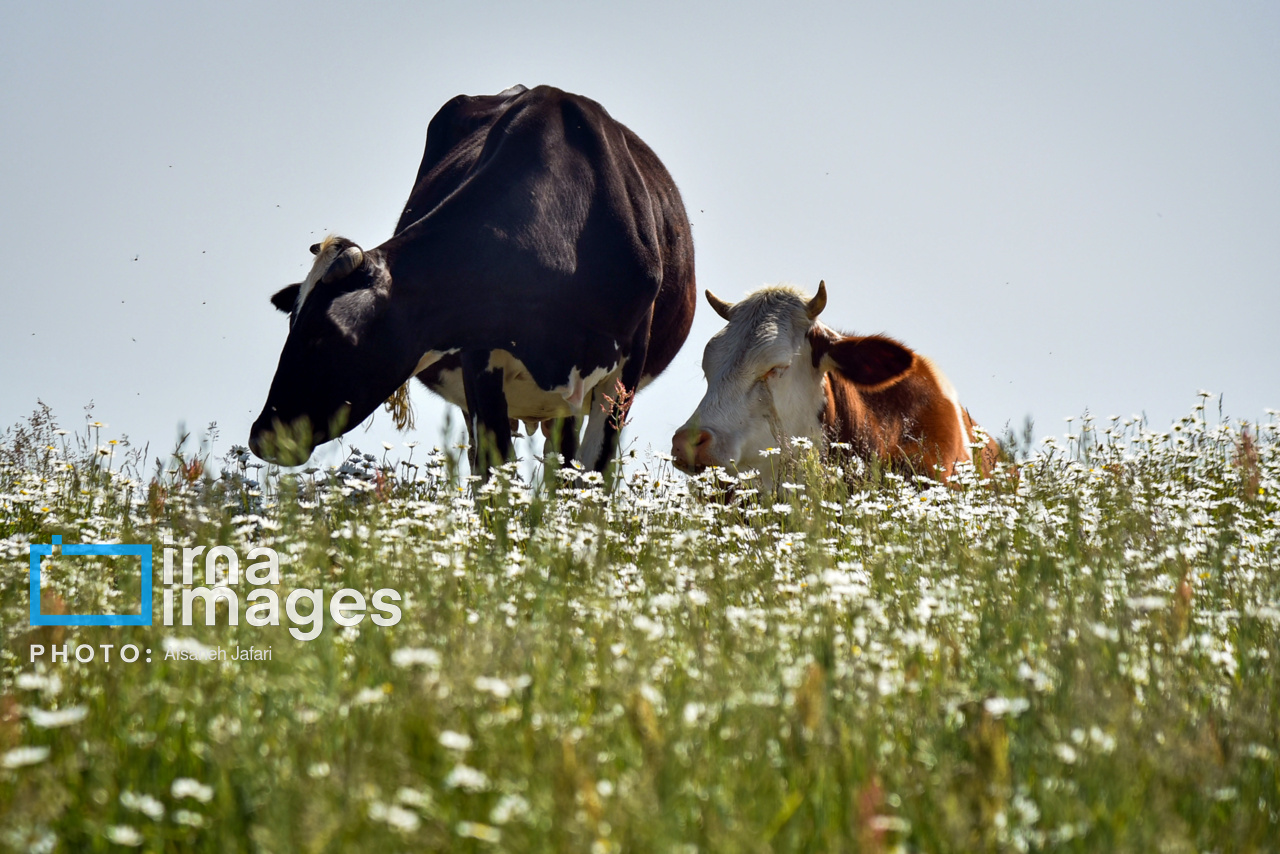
{"type": "Point", "coordinates": [564, 223]}
{"type": "Point", "coordinates": [458, 120]}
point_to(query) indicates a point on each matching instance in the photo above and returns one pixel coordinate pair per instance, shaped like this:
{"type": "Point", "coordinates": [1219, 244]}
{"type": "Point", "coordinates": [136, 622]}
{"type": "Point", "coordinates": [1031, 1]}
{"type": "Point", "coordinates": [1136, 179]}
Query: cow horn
{"type": "Point", "coordinates": [819, 301]}
{"type": "Point", "coordinates": [721, 307]}
{"type": "Point", "coordinates": [350, 258]}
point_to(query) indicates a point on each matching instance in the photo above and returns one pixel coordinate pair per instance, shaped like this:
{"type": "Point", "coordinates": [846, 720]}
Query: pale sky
{"type": "Point", "coordinates": [1067, 206]}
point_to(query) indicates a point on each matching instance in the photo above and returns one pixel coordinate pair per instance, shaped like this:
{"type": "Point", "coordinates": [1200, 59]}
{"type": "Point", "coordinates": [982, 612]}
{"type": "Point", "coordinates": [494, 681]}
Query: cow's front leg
{"type": "Point", "coordinates": [561, 435]}
{"type": "Point", "coordinates": [610, 406]}
{"type": "Point", "coordinates": [620, 389]}
{"type": "Point", "coordinates": [487, 421]}
{"type": "Point", "coordinates": [592, 453]}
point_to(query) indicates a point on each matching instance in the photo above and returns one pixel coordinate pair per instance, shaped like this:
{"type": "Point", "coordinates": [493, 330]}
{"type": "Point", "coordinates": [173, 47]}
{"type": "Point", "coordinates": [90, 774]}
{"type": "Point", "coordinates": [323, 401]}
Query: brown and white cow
{"type": "Point", "coordinates": [776, 372]}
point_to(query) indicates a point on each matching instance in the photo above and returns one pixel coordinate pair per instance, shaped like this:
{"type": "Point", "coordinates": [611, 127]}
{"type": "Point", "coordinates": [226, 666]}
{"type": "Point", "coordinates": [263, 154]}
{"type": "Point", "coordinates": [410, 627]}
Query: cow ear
{"type": "Point", "coordinates": [871, 363]}
{"type": "Point", "coordinates": [285, 298]}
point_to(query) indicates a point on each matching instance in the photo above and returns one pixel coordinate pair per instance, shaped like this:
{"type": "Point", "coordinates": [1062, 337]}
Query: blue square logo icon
{"type": "Point", "coordinates": [39, 550]}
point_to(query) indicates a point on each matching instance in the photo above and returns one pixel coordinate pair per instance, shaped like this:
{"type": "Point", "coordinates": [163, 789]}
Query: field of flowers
{"type": "Point", "coordinates": [1082, 657]}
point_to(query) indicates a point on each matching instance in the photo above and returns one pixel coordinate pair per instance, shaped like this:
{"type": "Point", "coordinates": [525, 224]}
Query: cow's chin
{"type": "Point", "coordinates": [761, 477]}
{"type": "Point", "coordinates": [291, 443]}
{"type": "Point", "coordinates": [689, 467]}
{"type": "Point", "coordinates": [285, 446]}
{"type": "Point", "coordinates": [269, 448]}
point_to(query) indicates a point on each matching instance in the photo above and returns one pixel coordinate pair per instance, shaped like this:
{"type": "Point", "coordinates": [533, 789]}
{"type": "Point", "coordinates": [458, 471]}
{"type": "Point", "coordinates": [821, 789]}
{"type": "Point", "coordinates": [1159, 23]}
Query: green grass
{"type": "Point", "coordinates": [1083, 660]}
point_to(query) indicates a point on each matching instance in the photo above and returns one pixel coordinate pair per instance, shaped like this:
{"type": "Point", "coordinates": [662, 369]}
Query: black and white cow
{"type": "Point", "coordinates": [543, 257]}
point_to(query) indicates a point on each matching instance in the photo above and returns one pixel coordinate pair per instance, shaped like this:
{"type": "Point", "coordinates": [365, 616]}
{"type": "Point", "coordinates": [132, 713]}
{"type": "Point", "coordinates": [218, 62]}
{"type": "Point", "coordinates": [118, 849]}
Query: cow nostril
{"type": "Point", "coordinates": [692, 448]}
{"type": "Point", "coordinates": [701, 449]}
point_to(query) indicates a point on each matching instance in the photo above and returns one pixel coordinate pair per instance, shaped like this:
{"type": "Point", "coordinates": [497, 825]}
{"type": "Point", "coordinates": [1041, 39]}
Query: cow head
{"type": "Point", "coordinates": [338, 363]}
{"type": "Point", "coordinates": [766, 378]}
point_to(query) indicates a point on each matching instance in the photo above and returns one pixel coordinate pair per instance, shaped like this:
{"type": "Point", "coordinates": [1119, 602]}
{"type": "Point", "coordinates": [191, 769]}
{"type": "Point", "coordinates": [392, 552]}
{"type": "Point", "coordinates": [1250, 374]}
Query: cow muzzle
{"type": "Point", "coordinates": [286, 445]}
{"type": "Point", "coordinates": [693, 449]}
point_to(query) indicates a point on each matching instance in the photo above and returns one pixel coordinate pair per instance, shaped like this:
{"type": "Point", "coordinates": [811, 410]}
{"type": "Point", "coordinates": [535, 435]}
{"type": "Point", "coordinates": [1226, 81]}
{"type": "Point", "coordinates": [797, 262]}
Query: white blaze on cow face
{"type": "Point", "coordinates": [329, 249]}
{"type": "Point", "coordinates": [335, 258]}
{"type": "Point", "coordinates": [762, 385]}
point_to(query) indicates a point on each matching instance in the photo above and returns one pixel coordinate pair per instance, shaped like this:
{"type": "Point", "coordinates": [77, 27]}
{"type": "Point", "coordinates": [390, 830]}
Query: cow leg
{"type": "Point", "coordinates": [487, 413]}
{"type": "Point", "coordinates": [593, 440]}
{"type": "Point", "coordinates": [563, 438]}
{"type": "Point", "coordinates": [608, 418]}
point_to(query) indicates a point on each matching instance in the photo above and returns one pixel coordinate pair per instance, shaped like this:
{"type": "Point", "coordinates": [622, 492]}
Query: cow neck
{"type": "Point", "coordinates": [849, 415]}
{"type": "Point", "coordinates": [426, 317]}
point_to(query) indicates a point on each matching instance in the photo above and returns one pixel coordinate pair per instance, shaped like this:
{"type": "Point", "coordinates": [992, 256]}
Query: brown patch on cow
{"type": "Point", "coordinates": [906, 419]}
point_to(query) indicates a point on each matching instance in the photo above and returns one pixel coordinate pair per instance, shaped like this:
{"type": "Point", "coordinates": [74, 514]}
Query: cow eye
{"type": "Point", "coordinates": [773, 373]}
